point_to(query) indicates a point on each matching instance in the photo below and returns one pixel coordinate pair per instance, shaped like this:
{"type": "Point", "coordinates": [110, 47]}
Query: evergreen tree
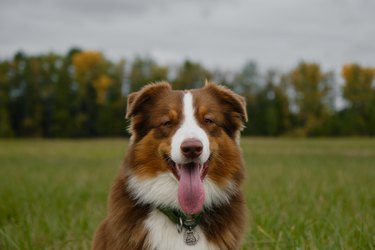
{"type": "Point", "coordinates": [191, 75]}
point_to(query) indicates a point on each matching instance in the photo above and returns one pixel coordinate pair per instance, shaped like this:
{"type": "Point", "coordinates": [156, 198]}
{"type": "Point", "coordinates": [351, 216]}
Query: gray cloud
{"type": "Point", "coordinates": [218, 33]}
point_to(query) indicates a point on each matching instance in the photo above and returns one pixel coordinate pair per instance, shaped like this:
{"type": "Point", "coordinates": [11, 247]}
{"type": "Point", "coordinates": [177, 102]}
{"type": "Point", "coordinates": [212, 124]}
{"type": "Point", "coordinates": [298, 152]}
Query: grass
{"type": "Point", "coordinates": [301, 193]}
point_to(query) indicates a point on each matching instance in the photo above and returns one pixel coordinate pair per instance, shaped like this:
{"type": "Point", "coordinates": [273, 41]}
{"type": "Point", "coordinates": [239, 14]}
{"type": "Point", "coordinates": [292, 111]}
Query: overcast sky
{"type": "Point", "coordinates": [218, 33]}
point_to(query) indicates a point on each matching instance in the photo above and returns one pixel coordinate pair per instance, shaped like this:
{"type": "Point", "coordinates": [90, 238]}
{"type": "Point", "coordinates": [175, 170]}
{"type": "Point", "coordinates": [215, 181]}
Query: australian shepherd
{"type": "Point", "coordinates": [180, 183]}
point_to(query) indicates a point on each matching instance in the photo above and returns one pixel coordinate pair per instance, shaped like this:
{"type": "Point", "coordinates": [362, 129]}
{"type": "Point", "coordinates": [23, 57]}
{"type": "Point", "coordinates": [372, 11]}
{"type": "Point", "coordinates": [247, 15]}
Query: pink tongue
{"type": "Point", "coordinates": [190, 189]}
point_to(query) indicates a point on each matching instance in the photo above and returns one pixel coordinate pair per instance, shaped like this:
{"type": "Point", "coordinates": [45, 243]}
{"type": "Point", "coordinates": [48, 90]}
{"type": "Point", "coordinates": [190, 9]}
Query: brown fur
{"type": "Point", "coordinates": [155, 114]}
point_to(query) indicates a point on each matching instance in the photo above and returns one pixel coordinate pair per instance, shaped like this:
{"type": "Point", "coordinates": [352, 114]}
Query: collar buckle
{"type": "Point", "coordinates": [187, 221]}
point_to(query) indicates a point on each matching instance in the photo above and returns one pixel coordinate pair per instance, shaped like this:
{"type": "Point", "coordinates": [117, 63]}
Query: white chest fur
{"type": "Point", "coordinates": [163, 235]}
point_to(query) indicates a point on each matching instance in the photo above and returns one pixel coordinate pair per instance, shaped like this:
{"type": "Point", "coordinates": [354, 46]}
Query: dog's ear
{"type": "Point", "coordinates": [137, 100]}
{"type": "Point", "coordinates": [234, 105]}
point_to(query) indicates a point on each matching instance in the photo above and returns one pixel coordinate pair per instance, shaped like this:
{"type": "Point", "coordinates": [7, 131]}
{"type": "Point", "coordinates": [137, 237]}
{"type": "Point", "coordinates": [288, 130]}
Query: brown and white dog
{"type": "Point", "coordinates": [180, 184]}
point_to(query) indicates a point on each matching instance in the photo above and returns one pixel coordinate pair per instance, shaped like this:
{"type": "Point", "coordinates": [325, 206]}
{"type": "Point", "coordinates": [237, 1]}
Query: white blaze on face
{"type": "Point", "coordinates": [189, 129]}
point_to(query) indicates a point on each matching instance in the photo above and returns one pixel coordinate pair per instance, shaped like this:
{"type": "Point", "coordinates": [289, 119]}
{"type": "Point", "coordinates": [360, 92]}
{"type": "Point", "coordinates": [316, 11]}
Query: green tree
{"type": "Point", "coordinates": [64, 99]}
{"type": "Point", "coordinates": [32, 96]}
{"type": "Point", "coordinates": [5, 125]}
{"type": "Point", "coordinates": [272, 107]}
{"type": "Point", "coordinates": [191, 75]}
{"type": "Point", "coordinates": [48, 82]}
{"type": "Point", "coordinates": [268, 108]}
{"type": "Point", "coordinates": [145, 70]}
{"type": "Point", "coordinates": [247, 81]}
{"type": "Point", "coordinates": [110, 111]}
{"type": "Point", "coordinates": [17, 85]}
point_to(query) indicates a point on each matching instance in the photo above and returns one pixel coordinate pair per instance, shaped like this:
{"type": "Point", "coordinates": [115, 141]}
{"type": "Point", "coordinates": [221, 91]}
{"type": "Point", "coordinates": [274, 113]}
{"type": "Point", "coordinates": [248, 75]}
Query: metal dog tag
{"type": "Point", "coordinates": [191, 237]}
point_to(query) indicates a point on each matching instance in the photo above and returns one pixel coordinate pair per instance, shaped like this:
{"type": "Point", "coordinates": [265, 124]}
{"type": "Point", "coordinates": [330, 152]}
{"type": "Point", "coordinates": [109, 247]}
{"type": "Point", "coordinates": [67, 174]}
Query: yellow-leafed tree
{"type": "Point", "coordinates": [309, 90]}
{"type": "Point", "coordinates": [90, 74]}
{"type": "Point", "coordinates": [101, 85]}
{"type": "Point", "coordinates": [358, 90]}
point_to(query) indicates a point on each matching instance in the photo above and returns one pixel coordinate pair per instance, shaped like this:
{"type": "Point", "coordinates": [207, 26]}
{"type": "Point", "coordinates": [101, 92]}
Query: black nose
{"type": "Point", "coordinates": [191, 148]}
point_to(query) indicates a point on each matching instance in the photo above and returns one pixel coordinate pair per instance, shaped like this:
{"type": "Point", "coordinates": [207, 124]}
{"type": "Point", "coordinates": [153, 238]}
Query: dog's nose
{"type": "Point", "coordinates": [191, 148]}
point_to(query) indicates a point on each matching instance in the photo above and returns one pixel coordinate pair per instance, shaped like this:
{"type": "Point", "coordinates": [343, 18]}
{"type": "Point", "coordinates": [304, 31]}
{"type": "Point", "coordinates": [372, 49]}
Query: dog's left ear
{"type": "Point", "coordinates": [137, 100]}
{"type": "Point", "coordinates": [233, 104]}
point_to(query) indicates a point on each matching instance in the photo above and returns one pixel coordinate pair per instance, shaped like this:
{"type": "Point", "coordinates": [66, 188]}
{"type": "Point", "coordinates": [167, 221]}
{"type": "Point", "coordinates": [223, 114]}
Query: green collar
{"type": "Point", "coordinates": [182, 220]}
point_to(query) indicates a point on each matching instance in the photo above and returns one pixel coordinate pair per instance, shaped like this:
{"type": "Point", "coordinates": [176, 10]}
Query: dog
{"type": "Point", "coordinates": [180, 183]}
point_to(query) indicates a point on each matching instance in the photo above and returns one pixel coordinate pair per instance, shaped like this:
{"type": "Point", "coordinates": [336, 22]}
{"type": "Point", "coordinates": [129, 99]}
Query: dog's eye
{"type": "Point", "coordinates": [167, 123]}
{"type": "Point", "coordinates": [208, 121]}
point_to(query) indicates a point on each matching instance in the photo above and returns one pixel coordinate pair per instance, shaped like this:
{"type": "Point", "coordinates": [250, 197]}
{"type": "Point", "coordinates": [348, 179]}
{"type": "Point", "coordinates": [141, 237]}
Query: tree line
{"type": "Point", "coordinates": [83, 94]}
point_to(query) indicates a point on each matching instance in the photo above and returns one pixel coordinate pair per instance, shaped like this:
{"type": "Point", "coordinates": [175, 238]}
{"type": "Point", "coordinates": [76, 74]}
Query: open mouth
{"type": "Point", "coordinates": [190, 176]}
{"type": "Point", "coordinates": [177, 168]}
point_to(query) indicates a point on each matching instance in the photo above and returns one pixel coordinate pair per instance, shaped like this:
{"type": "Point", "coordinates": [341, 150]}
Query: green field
{"type": "Point", "coordinates": [301, 193]}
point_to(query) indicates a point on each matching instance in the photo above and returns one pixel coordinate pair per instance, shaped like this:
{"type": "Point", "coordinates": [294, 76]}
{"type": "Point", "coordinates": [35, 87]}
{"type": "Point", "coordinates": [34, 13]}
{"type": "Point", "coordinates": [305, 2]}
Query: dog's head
{"type": "Point", "coordinates": [184, 150]}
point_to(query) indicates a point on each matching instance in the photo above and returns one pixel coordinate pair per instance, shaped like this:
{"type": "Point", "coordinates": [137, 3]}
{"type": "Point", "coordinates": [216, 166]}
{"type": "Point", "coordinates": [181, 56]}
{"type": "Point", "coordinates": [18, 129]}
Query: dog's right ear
{"type": "Point", "coordinates": [137, 100]}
